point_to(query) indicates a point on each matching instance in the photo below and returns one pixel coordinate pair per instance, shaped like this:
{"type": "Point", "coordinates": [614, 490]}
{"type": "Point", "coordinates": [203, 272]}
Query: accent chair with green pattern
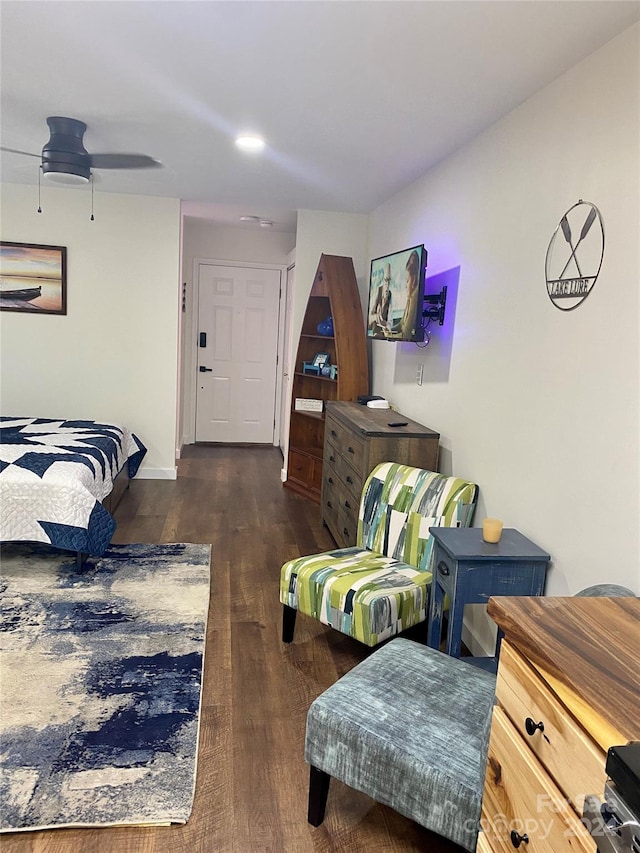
{"type": "Point", "coordinates": [380, 587]}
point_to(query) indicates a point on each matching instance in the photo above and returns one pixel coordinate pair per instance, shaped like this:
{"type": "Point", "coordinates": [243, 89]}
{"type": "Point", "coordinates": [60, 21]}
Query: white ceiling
{"type": "Point", "coordinates": [356, 99]}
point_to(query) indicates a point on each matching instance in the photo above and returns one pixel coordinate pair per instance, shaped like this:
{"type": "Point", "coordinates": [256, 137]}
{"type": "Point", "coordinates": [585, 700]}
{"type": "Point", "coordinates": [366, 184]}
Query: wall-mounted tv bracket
{"type": "Point", "coordinates": [436, 304]}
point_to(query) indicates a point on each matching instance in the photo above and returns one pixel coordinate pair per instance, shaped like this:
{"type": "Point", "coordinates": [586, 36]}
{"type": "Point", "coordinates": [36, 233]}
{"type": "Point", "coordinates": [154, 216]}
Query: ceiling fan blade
{"type": "Point", "coordinates": [123, 161]}
{"type": "Point", "coordinates": [15, 151]}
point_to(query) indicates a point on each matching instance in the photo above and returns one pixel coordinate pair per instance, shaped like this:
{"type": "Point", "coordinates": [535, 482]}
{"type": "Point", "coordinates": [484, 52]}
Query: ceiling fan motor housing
{"type": "Point", "coordinates": [64, 153]}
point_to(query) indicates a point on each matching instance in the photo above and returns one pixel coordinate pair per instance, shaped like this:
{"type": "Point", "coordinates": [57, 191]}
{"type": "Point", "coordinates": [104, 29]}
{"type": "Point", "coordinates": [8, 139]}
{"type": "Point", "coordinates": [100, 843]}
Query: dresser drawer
{"type": "Point", "coordinates": [342, 472]}
{"type": "Point", "coordinates": [347, 442]}
{"type": "Point", "coordinates": [567, 752]}
{"type": "Point", "coordinates": [519, 796]}
{"type": "Point", "coordinates": [347, 524]}
{"type": "Point", "coordinates": [484, 845]}
{"type": "Point", "coordinates": [343, 528]}
{"type": "Point", "coordinates": [332, 494]}
{"type": "Point", "coordinates": [445, 571]}
{"type": "Point", "coordinates": [339, 510]}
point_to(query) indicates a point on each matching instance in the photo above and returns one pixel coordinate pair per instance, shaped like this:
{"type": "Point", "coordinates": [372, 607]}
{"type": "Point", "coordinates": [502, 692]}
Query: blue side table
{"type": "Point", "coordinates": [470, 570]}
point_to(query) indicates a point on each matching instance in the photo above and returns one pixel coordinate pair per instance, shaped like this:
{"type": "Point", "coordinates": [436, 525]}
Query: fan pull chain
{"type": "Point", "coordinates": [39, 205]}
{"type": "Point", "coordinates": [92, 217]}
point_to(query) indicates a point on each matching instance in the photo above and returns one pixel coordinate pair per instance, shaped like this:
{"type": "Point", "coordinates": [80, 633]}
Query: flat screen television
{"type": "Point", "coordinates": [396, 296]}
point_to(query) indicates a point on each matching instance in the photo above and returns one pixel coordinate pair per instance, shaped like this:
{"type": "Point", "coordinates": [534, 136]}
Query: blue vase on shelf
{"type": "Point", "coordinates": [326, 327]}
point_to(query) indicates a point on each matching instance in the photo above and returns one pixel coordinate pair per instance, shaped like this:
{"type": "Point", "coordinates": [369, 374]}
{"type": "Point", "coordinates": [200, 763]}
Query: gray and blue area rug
{"type": "Point", "coordinates": [100, 685]}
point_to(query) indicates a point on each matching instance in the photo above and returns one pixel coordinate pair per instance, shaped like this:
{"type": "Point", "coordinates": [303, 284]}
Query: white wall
{"type": "Point", "coordinates": [539, 407]}
{"type": "Point", "coordinates": [113, 357]}
{"type": "Point", "coordinates": [206, 239]}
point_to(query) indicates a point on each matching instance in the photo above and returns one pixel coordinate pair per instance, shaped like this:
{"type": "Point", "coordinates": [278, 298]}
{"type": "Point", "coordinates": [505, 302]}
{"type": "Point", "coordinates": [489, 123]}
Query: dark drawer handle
{"type": "Point", "coordinates": [532, 727]}
{"type": "Point", "coordinates": [332, 459]}
{"type": "Point", "coordinates": [517, 839]}
{"type": "Point", "coordinates": [347, 505]}
{"type": "Point", "coordinates": [351, 450]}
{"type": "Point", "coordinates": [330, 480]}
{"type": "Point", "coordinates": [444, 569]}
{"type": "Point", "coordinates": [349, 480]}
{"type": "Point", "coordinates": [334, 433]}
{"type": "Point", "coordinates": [329, 504]}
{"type": "Point", "coordinates": [345, 531]}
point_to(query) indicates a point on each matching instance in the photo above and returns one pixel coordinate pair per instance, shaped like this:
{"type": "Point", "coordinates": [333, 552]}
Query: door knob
{"type": "Point", "coordinates": [205, 369]}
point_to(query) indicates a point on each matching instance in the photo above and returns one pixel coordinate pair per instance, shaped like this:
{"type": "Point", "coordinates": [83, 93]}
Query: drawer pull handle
{"type": "Point", "coordinates": [330, 480]}
{"type": "Point", "coordinates": [349, 480]}
{"type": "Point", "coordinates": [347, 505]}
{"type": "Point", "coordinates": [332, 459]}
{"type": "Point", "coordinates": [334, 433]}
{"type": "Point", "coordinates": [532, 727]}
{"type": "Point", "coordinates": [517, 839]}
{"type": "Point", "coordinates": [443, 568]}
{"type": "Point", "coordinates": [351, 450]}
{"type": "Point", "coordinates": [329, 504]}
{"type": "Point", "coordinates": [345, 531]}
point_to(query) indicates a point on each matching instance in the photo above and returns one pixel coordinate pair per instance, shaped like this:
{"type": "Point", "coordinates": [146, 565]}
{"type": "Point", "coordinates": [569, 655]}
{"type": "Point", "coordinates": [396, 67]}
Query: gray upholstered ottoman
{"type": "Point", "coordinates": [409, 726]}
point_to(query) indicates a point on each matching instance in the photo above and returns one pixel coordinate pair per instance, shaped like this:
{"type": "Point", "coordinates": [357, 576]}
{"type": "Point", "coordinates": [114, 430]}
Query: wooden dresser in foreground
{"type": "Point", "coordinates": [356, 439]}
{"type": "Point", "coordinates": [568, 689]}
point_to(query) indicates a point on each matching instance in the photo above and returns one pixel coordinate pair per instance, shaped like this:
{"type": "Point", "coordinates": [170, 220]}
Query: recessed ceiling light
{"type": "Point", "coordinates": [266, 223]}
{"type": "Point", "coordinates": [249, 142]}
{"type": "Point", "coordinates": [249, 218]}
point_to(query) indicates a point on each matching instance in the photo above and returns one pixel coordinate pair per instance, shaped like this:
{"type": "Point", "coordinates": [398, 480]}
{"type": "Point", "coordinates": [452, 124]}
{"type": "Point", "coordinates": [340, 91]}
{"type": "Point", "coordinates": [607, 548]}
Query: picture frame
{"type": "Point", "coordinates": [320, 359]}
{"type": "Point", "coordinates": [33, 278]}
{"type": "Point", "coordinates": [314, 367]}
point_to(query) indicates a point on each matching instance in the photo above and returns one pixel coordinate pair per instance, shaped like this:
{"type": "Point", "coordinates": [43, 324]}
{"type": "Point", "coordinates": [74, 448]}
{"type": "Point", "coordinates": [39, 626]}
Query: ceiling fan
{"type": "Point", "coordinates": [65, 159]}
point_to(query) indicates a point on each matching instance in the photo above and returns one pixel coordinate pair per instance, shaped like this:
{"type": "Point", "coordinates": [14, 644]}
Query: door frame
{"type": "Point", "coordinates": [192, 359]}
{"type": "Point", "coordinates": [287, 360]}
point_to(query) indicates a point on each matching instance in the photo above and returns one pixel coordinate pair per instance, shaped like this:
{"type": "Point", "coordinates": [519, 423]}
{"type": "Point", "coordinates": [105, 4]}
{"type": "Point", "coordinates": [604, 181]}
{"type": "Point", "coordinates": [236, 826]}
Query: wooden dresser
{"type": "Point", "coordinates": [568, 688]}
{"type": "Point", "coordinates": [356, 439]}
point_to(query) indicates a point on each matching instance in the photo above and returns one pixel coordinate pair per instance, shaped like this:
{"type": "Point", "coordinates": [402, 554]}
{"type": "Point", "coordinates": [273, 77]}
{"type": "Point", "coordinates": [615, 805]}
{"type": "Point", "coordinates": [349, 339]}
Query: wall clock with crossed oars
{"type": "Point", "coordinates": [574, 256]}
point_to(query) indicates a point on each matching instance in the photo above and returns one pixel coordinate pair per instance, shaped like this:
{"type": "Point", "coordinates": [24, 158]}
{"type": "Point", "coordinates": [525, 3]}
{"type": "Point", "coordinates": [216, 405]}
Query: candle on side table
{"type": "Point", "coordinates": [491, 529]}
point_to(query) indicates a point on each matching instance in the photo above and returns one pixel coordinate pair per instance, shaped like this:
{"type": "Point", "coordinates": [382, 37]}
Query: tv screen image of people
{"type": "Point", "coordinates": [396, 296]}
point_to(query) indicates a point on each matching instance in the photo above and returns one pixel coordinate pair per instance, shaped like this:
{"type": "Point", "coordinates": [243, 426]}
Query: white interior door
{"type": "Point", "coordinates": [237, 347]}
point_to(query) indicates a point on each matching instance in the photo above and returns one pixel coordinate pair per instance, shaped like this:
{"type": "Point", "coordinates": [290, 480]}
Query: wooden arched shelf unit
{"type": "Point", "coordinates": [334, 294]}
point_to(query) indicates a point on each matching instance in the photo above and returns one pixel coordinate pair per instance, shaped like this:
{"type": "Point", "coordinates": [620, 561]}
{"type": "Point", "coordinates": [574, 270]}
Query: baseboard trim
{"type": "Point", "coordinates": [157, 474]}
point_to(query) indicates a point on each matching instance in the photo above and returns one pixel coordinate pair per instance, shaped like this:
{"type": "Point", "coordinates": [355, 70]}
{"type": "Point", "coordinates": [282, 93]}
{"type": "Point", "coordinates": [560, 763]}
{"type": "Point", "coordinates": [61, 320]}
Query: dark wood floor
{"type": "Point", "coordinates": [251, 791]}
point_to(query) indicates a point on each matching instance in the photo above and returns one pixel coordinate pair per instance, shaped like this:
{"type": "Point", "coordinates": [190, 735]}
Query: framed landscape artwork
{"type": "Point", "coordinates": [33, 278]}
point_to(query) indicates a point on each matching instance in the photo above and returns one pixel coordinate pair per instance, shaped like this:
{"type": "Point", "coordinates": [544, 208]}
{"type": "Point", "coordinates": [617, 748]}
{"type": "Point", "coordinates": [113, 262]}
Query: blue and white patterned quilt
{"type": "Point", "coordinates": [54, 474]}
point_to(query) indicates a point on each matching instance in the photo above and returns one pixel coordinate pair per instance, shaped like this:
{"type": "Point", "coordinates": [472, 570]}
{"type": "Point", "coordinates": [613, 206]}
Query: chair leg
{"type": "Point", "coordinates": [318, 793]}
{"type": "Point", "coordinates": [288, 623]}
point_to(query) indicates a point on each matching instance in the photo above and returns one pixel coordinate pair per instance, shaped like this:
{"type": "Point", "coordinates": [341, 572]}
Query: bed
{"type": "Point", "coordinates": [57, 478]}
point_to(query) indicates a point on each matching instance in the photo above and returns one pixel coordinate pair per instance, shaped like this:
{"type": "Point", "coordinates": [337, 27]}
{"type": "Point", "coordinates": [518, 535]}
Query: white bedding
{"type": "Point", "coordinates": [54, 474]}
